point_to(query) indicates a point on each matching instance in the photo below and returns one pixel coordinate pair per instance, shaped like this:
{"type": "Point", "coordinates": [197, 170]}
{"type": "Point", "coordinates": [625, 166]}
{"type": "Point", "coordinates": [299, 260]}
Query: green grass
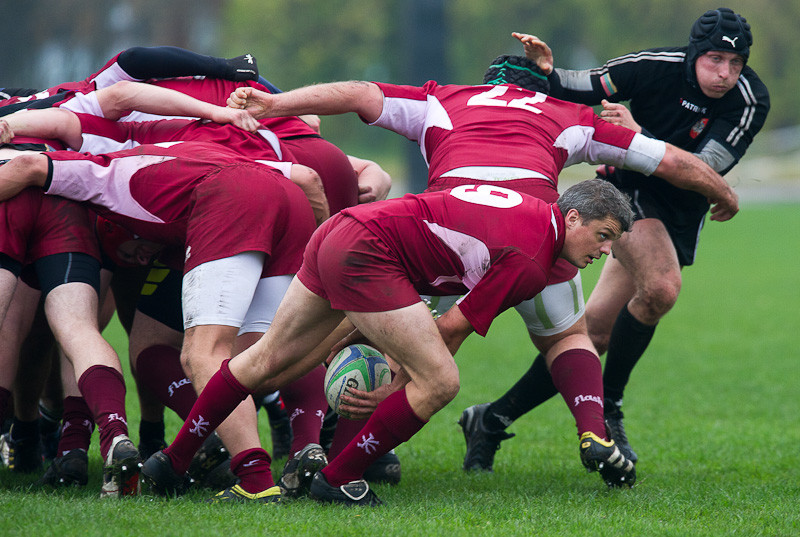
{"type": "Point", "coordinates": [711, 409]}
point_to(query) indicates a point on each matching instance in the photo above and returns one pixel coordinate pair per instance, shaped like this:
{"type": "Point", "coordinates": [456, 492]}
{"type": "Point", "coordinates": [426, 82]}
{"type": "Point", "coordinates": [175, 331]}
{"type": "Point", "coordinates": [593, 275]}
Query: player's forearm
{"type": "Point", "coordinates": [122, 97]}
{"type": "Point", "coordinates": [374, 183]}
{"type": "Point", "coordinates": [454, 328]}
{"type": "Point", "coordinates": [20, 172]}
{"type": "Point", "coordinates": [363, 98]}
{"type": "Point", "coordinates": [684, 170]}
{"type": "Point", "coordinates": [310, 183]}
{"type": "Point", "coordinates": [50, 124]}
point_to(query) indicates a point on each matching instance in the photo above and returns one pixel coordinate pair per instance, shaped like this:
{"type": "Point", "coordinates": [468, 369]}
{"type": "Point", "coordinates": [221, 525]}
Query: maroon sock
{"type": "Point", "coordinates": [251, 466]}
{"type": "Point", "coordinates": [306, 404]}
{"type": "Point", "coordinates": [392, 423]}
{"type": "Point", "coordinates": [77, 426]}
{"type": "Point", "coordinates": [219, 398]}
{"type": "Point", "coordinates": [345, 431]}
{"type": "Point", "coordinates": [5, 400]}
{"type": "Point", "coordinates": [158, 368]}
{"type": "Point", "coordinates": [103, 388]}
{"type": "Point", "coordinates": [578, 376]}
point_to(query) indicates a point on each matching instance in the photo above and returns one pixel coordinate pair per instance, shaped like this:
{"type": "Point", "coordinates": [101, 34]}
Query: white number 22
{"type": "Point", "coordinates": [490, 98]}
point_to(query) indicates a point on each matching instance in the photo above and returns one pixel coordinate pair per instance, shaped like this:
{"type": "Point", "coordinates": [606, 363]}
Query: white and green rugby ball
{"type": "Point", "coordinates": [358, 366]}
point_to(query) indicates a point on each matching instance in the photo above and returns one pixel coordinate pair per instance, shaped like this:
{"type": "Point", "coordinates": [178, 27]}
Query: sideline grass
{"type": "Point", "coordinates": [711, 409]}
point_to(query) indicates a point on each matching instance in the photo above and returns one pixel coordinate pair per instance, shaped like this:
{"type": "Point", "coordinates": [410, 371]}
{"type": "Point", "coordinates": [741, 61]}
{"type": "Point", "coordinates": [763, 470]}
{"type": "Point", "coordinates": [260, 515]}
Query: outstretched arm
{"type": "Point", "coordinates": [27, 169]}
{"type": "Point", "coordinates": [171, 62]}
{"type": "Point", "coordinates": [686, 171]}
{"type": "Point", "coordinates": [122, 97]}
{"type": "Point", "coordinates": [48, 123]}
{"type": "Point", "coordinates": [363, 98]}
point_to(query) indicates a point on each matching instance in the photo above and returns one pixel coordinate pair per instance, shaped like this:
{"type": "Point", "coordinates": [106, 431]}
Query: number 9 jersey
{"type": "Point", "coordinates": [491, 244]}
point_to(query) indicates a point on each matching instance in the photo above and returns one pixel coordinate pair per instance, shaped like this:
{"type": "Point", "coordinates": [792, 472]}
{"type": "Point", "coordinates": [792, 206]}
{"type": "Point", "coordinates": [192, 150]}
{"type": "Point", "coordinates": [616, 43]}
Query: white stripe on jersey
{"type": "Point", "coordinates": [473, 253]}
{"type": "Point", "coordinates": [111, 75]}
{"type": "Point", "coordinates": [412, 118]}
{"type": "Point", "coordinates": [110, 185]}
{"type": "Point", "coordinates": [581, 80]}
{"type": "Point", "coordinates": [493, 173]}
{"type": "Point", "coordinates": [669, 57]}
{"type": "Point", "coordinates": [747, 114]}
{"type": "Point", "coordinates": [554, 222]}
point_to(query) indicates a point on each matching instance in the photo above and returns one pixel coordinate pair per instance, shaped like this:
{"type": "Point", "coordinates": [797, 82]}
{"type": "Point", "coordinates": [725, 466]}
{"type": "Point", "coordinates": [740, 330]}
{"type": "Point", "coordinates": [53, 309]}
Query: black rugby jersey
{"type": "Point", "coordinates": [670, 107]}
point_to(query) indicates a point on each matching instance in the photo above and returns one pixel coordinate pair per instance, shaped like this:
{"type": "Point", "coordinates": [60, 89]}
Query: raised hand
{"type": "Point", "coordinates": [537, 51]}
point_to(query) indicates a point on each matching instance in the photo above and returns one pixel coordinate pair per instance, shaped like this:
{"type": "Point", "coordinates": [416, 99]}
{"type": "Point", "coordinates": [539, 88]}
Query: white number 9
{"type": "Point", "coordinates": [488, 195]}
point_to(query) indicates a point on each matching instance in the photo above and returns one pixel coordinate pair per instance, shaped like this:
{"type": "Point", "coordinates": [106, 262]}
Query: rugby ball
{"type": "Point", "coordinates": [358, 366]}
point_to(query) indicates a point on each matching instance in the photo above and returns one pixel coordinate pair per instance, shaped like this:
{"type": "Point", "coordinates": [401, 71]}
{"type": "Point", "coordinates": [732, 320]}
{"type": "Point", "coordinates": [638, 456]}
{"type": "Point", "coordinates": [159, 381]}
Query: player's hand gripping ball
{"type": "Point", "coordinates": [358, 366]}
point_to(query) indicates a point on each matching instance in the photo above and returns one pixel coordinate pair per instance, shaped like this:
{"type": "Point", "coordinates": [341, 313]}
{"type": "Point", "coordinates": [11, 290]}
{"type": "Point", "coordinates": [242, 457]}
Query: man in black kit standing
{"type": "Point", "coordinates": [702, 98]}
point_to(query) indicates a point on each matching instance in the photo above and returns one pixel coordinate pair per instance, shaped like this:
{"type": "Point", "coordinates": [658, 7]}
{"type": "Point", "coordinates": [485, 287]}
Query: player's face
{"type": "Point", "coordinates": [717, 72]}
{"type": "Point", "coordinates": [588, 241]}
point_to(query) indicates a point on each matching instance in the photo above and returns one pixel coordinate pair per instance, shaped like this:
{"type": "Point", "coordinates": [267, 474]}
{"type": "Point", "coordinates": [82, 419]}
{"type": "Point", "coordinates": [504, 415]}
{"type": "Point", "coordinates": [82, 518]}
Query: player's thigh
{"type": "Point", "coordinates": [8, 282]}
{"type": "Point", "coordinates": [647, 253]}
{"type": "Point", "coordinates": [159, 303]}
{"type": "Point", "coordinates": [613, 290]}
{"type": "Point", "coordinates": [284, 353]}
{"type": "Point", "coordinates": [410, 336]}
{"type": "Point", "coordinates": [147, 332]}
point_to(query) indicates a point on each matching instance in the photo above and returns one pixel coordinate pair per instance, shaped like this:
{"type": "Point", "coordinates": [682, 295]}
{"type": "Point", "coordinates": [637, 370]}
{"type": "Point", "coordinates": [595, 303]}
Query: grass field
{"type": "Point", "coordinates": [712, 410]}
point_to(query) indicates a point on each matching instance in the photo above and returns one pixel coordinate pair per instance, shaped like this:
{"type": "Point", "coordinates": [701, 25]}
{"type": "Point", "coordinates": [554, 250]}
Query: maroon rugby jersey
{"type": "Point", "coordinates": [181, 192]}
{"type": "Point", "coordinates": [217, 91]}
{"type": "Point", "coordinates": [303, 145]}
{"type": "Point", "coordinates": [508, 136]}
{"type": "Point", "coordinates": [102, 135]}
{"type": "Point", "coordinates": [496, 245]}
{"type": "Point", "coordinates": [460, 127]}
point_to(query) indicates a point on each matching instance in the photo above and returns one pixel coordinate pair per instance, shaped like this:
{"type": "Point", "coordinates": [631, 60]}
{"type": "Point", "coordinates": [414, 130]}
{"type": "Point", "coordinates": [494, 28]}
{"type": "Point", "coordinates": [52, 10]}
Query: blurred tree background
{"type": "Point", "coordinates": [300, 42]}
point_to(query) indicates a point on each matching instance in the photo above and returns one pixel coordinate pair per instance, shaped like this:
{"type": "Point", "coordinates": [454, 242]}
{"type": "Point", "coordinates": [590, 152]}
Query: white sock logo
{"type": "Point", "coordinates": [370, 445]}
{"type": "Point", "coordinates": [584, 398]}
{"type": "Point", "coordinates": [177, 384]}
{"type": "Point", "coordinates": [200, 426]}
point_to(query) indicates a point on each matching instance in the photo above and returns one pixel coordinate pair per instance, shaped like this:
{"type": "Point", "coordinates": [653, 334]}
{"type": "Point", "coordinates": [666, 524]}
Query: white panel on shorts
{"type": "Point", "coordinates": [556, 308]}
{"type": "Point", "coordinates": [266, 300]}
{"type": "Point", "coordinates": [220, 292]}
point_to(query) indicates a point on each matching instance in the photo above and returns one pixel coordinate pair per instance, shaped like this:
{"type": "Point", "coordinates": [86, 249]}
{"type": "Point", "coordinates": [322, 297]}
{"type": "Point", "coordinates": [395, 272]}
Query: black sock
{"type": "Point", "coordinates": [170, 62]}
{"type": "Point", "coordinates": [534, 388]}
{"type": "Point", "coordinates": [275, 410]}
{"type": "Point", "coordinates": [50, 419]}
{"type": "Point", "coordinates": [25, 430]}
{"type": "Point", "coordinates": [151, 430]}
{"type": "Point", "coordinates": [629, 339]}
